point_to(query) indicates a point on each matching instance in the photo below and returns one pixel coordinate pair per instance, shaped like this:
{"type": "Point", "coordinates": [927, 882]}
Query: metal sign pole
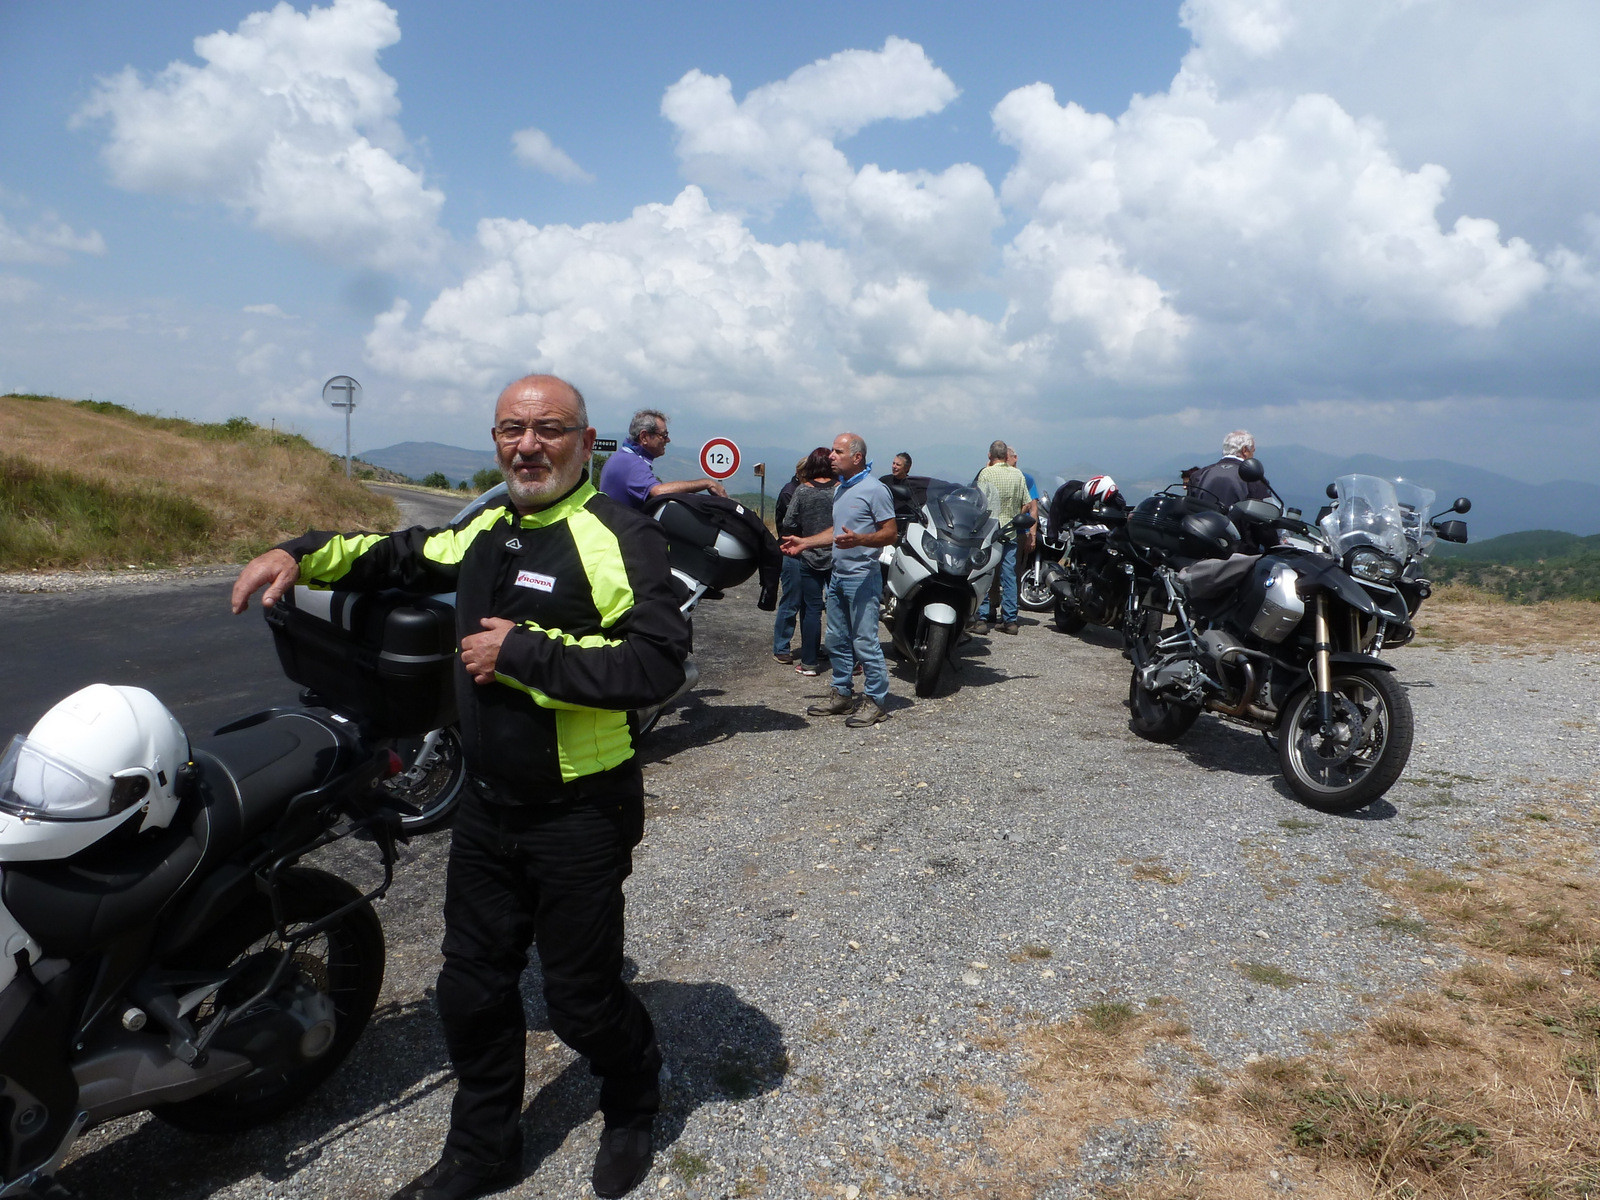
{"type": "Point", "coordinates": [347, 443]}
{"type": "Point", "coordinates": [342, 392]}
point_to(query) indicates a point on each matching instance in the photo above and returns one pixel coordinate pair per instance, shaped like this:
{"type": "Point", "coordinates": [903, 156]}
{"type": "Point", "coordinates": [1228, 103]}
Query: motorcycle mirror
{"type": "Point", "coordinates": [1333, 492]}
{"type": "Point", "coordinates": [1251, 470]}
{"type": "Point", "coordinates": [1462, 505]}
{"type": "Point", "coordinates": [1025, 521]}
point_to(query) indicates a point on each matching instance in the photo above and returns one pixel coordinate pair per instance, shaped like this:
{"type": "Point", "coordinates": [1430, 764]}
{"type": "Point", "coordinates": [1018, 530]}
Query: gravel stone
{"type": "Point", "coordinates": [829, 925]}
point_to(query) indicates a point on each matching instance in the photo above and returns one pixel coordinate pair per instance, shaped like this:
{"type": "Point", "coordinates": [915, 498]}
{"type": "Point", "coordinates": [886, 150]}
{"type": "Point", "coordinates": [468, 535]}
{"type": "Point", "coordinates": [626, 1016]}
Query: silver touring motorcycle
{"type": "Point", "coordinates": [1285, 640]}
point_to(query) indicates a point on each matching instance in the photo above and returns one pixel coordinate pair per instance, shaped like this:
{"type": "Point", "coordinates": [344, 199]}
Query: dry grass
{"type": "Point", "coordinates": [256, 488]}
{"type": "Point", "coordinates": [1484, 1085]}
{"type": "Point", "coordinates": [1458, 615]}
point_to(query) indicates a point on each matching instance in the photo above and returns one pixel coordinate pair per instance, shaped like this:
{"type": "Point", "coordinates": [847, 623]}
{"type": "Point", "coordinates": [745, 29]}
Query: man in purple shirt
{"type": "Point", "coordinates": [628, 477]}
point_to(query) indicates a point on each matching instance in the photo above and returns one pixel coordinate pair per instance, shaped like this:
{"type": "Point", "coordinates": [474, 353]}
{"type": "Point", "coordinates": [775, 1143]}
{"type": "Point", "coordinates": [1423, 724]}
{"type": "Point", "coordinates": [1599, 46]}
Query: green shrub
{"type": "Point", "coordinates": [435, 479]}
{"type": "Point", "coordinates": [487, 478]}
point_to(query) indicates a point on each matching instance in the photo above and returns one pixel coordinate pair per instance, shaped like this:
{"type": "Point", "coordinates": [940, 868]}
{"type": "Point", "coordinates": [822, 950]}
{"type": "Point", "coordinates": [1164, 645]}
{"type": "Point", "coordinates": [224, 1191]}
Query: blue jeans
{"type": "Point", "coordinates": [853, 632]}
{"type": "Point", "coordinates": [813, 583]}
{"type": "Point", "coordinates": [1008, 587]}
{"type": "Point", "coordinates": [788, 605]}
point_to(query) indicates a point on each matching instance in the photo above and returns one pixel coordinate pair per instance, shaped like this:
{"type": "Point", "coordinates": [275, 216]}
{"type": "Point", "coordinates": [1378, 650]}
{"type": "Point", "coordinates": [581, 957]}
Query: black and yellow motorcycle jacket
{"type": "Point", "coordinates": [597, 627]}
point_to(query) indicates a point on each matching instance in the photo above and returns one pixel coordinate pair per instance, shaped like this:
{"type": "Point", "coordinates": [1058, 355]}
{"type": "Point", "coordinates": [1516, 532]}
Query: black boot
{"type": "Point", "coordinates": [453, 1178]}
{"type": "Point", "coordinates": [623, 1161]}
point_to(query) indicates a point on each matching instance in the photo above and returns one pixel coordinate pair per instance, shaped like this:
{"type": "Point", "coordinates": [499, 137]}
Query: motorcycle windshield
{"type": "Point", "coordinates": [1366, 512]}
{"type": "Point", "coordinates": [1416, 509]}
{"type": "Point", "coordinates": [958, 514]}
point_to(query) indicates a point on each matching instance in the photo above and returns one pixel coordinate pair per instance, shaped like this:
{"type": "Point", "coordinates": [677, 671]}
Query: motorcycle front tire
{"type": "Point", "coordinates": [1033, 590]}
{"type": "Point", "coordinates": [345, 963]}
{"type": "Point", "coordinates": [1155, 719]}
{"type": "Point", "coordinates": [931, 665]}
{"type": "Point", "coordinates": [1069, 617]}
{"type": "Point", "coordinates": [1312, 767]}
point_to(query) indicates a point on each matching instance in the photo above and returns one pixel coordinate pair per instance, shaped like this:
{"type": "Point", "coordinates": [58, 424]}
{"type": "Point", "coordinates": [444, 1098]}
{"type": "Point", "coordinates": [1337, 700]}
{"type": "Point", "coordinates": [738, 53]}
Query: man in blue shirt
{"type": "Point", "coordinates": [863, 523]}
{"type": "Point", "coordinates": [628, 477]}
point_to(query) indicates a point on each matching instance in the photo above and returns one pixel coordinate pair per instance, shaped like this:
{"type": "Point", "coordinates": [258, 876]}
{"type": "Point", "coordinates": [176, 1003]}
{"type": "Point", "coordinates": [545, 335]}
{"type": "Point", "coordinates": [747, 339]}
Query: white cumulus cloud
{"type": "Point", "coordinates": [534, 147]}
{"type": "Point", "coordinates": [291, 122]}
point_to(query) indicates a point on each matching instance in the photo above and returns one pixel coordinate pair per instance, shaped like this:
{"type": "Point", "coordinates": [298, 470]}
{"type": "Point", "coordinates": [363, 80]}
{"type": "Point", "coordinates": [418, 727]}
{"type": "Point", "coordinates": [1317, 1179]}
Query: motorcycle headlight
{"type": "Point", "coordinates": [1368, 563]}
{"type": "Point", "coordinates": [930, 547]}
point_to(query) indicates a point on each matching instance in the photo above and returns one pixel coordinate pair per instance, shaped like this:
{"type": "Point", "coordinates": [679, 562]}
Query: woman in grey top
{"type": "Point", "coordinates": [811, 511]}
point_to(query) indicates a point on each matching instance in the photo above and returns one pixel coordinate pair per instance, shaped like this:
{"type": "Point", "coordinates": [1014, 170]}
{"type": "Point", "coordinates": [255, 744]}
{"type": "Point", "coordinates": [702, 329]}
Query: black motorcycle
{"type": "Point", "coordinates": [197, 970]}
{"type": "Point", "coordinates": [1283, 641]}
{"type": "Point", "coordinates": [1102, 573]}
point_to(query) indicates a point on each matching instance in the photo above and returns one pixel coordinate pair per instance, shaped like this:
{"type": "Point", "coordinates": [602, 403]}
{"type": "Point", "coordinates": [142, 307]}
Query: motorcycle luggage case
{"type": "Point", "coordinates": [383, 659]}
{"type": "Point", "coordinates": [1164, 522]}
{"type": "Point", "coordinates": [718, 558]}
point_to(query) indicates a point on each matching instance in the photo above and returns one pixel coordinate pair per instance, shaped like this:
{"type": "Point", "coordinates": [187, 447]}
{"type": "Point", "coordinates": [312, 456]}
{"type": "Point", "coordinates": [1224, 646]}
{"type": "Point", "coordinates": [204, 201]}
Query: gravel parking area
{"type": "Point", "coordinates": [841, 932]}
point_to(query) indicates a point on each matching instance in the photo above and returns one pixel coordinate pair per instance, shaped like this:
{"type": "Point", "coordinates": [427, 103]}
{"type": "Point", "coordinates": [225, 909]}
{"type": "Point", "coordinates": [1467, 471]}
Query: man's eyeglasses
{"type": "Point", "coordinates": [660, 433]}
{"type": "Point", "coordinates": [546, 432]}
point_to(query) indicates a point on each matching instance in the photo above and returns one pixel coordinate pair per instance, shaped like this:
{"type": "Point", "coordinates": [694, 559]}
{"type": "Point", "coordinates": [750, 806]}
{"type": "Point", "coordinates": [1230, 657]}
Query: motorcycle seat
{"type": "Point", "coordinates": [248, 777]}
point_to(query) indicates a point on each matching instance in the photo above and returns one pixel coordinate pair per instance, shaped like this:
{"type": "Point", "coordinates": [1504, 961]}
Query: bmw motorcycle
{"type": "Point", "coordinates": [165, 948]}
{"type": "Point", "coordinates": [1283, 641]}
{"type": "Point", "coordinates": [1041, 567]}
{"type": "Point", "coordinates": [937, 575]}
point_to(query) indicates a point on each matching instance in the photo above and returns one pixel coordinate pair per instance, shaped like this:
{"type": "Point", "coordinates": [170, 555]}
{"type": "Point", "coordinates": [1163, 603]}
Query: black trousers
{"type": "Point", "coordinates": [549, 874]}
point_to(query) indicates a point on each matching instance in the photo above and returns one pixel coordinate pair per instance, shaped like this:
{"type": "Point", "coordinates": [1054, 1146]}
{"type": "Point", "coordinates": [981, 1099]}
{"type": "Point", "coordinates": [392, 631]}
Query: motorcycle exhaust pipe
{"type": "Point", "coordinates": [1247, 693]}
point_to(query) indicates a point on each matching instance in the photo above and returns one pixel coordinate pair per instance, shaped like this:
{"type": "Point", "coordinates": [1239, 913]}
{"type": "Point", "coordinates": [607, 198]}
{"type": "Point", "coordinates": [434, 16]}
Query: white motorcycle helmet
{"type": "Point", "coordinates": [1100, 490]}
{"type": "Point", "coordinates": [93, 763]}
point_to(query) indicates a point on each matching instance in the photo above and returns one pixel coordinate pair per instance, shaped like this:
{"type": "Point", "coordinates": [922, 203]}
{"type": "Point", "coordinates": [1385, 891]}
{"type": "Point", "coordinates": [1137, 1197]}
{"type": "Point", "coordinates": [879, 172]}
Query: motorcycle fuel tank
{"type": "Point", "coordinates": [1281, 609]}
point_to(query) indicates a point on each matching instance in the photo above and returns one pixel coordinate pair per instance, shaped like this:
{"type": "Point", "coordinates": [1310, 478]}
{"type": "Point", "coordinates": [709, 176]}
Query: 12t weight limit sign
{"type": "Point", "coordinates": [719, 458]}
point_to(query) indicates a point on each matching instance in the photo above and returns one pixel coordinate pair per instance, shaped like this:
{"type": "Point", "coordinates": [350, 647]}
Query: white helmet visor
{"type": "Point", "coordinates": [42, 785]}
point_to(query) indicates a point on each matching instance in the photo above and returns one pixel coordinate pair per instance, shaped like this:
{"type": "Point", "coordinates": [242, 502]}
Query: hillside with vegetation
{"type": "Point", "coordinates": [1527, 567]}
{"type": "Point", "coordinates": [92, 484]}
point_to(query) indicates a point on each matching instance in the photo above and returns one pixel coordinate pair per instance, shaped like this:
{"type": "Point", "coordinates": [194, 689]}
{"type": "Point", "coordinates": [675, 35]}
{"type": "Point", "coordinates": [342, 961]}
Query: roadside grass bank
{"type": "Point", "coordinates": [1460, 615]}
{"type": "Point", "coordinates": [89, 484]}
{"type": "Point", "coordinates": [1483, 1084]}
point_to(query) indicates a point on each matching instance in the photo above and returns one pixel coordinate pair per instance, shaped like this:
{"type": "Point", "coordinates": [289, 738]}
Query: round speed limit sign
{"type": "Point", "coordinates": [719, 458]}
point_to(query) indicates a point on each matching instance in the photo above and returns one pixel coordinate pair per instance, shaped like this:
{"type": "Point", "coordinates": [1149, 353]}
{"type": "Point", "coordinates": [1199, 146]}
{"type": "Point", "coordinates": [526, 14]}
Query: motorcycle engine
{"type": "Point", "coordinates": [1213, 644]}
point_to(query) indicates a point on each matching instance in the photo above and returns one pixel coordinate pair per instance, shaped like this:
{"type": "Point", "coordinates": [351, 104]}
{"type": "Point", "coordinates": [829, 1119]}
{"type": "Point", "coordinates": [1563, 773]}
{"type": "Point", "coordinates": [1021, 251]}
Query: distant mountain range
{"type": "Point", "coordinates": [1500, 504]}
{"type": "Point", "coordinates": [419, 459]}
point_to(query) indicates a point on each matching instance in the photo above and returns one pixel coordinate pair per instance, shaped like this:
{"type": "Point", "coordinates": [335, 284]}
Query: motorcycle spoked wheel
{"type": "Point", "coordinates": [1363, 756]}
{"type": "Point", "coordinates": [344, 965]}
{"type": "Point", "coordinates": [1154, 718]}
{"type": "Point", "coordinates": [1033, 589]}
{"type": "Point", "coordinates": [931, 665]}
{"type": "Point", "coordinates": [426, 793]}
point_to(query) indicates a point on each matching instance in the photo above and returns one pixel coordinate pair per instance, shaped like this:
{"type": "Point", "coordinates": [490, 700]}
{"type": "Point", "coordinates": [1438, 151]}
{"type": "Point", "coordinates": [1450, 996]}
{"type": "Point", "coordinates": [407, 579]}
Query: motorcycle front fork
{"type": "Point", "coordinates": [1322, 662]}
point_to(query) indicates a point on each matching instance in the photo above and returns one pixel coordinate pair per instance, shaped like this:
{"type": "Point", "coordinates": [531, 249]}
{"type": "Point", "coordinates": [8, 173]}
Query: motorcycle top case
{"type": "Point", "coordinates": [718, 558]}
{"type": "Point", "coordinates": [1165, 522]}
{"type": "Point", "coordinates": [383, 659]}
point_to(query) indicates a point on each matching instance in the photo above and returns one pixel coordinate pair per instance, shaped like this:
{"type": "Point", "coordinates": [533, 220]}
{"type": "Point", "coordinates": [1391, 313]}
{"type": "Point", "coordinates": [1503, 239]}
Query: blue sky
{"type": "Point", "coordinates": [1091, 229]}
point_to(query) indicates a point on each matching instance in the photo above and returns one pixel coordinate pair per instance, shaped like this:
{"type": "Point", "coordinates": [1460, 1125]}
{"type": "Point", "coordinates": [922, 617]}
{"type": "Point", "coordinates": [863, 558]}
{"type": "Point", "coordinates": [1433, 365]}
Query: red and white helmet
{"type": "Point", "coordinates": [1100, 490]}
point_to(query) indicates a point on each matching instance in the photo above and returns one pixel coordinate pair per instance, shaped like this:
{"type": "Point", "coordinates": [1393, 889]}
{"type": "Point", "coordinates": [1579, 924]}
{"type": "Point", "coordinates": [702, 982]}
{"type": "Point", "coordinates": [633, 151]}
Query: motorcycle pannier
{"type": "Point", "coordinates": [718, 558]}
{"type": "Point", "coordinates": [383, 659]}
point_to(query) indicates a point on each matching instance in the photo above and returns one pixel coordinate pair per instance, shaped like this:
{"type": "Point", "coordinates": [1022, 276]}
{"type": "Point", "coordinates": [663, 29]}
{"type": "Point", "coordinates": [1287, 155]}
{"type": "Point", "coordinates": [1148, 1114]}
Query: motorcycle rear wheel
{"type": "Point", "coordinates": [1345, 771]}
{"type": "Point", "coordinates": [1155, 719]}
{"type": "Point", "coordinates": [345, 964]}
{"type": "Point", "coordinates": [931, 665]}
{"type": "Point", "coordinates": [1033, 590]}
{"type": "Point", "coordinates": [425, 793]}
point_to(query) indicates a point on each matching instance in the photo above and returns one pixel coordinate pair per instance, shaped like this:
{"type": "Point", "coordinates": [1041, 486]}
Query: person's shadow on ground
{"type": "Point", "coordinates": [716, 1047]}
